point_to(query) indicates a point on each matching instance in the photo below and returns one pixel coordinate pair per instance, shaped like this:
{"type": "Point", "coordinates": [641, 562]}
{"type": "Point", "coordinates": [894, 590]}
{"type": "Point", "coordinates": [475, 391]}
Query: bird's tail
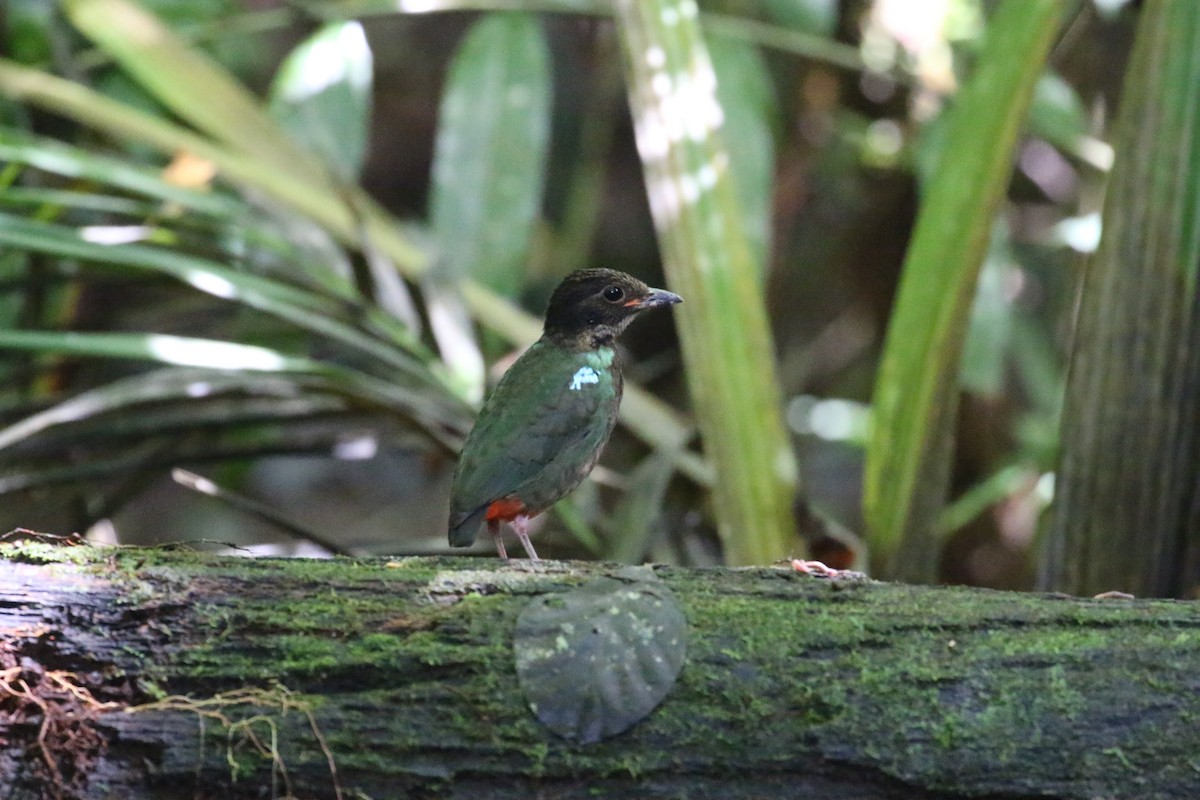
{"type": "Point", "coordinates": [464, 526]}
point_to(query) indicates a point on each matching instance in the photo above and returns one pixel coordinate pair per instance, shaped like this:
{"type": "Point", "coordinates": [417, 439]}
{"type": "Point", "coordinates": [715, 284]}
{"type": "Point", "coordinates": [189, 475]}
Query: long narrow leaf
{"type": "Point", "coordinates": [214, 211]}
{"type": "Point", "coordinates": [748, 101]}
{"type": "Point", "coordinates": [1127, 505]}
{"type": "Point", "coordinates": [183, 351]}
{"type": "Point", "coordinates": [722, 322]}
{"type": "Point", "coordinates": [59, 158]}
{"type": "Point", "coordinates": [649, 418]}
{"type": "Point", "coordinates": [916, 391]}
{"type": "Point", "coordinates": [637, 516]}
{"type": "Point", "coordinates": [186, 351]}
{"type": "Point", "coordinates": [307, 310]}
{"type": "Point", "coordinates": [360, 8]}
{"type": "Point", "coordinates": [809, 45]}
{"type": "Point", "coordinates": [29, 197]}
{"type": "Point", "coordinates": [156, 386]}
{"type": "Point", "coordinates": [152, 456]}
{"type": "Point", "coordinates": [348, 216]}
{"type": "Point", "coordinates": [132, 425]}
{"type": "Point", "coordinates": [189, 83]}
{"type": "Point", "coordinates": [491, 151]}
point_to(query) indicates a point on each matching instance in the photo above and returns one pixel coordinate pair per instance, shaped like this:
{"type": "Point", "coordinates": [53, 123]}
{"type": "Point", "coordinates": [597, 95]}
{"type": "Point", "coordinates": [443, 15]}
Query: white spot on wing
{"type": "Point", "coordinates": [583, 375]}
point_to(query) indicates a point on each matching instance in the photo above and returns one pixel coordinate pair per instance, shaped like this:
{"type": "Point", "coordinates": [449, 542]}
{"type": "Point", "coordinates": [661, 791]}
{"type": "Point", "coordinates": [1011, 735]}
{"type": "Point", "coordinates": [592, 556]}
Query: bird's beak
{"type": "Point", "coordinates": [655, 298]}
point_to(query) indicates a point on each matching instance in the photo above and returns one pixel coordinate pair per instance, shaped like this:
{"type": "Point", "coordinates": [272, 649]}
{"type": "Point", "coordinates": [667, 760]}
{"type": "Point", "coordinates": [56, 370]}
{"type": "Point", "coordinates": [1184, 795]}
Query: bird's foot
{"type": "Point", "coordinates": [817, 568]}
{"type": "Point", "coordinates": [520, 526]}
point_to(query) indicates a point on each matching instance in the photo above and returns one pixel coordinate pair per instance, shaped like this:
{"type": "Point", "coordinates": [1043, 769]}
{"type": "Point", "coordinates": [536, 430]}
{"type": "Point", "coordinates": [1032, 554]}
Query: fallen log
{"type": "Point", "coordinates": [165, 673]}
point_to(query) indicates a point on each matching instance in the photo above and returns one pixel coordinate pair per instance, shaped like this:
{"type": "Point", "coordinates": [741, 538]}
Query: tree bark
{"type": "Point", "coordinates": [143, 674]}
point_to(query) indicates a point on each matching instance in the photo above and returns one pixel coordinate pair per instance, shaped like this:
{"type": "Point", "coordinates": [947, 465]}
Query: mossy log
{"type": "Point", "coordinates": [132, 674]}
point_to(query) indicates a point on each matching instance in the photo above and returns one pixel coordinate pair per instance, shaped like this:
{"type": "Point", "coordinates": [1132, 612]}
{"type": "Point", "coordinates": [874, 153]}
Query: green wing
{"type": "Point", "coordinates": [538, 435]}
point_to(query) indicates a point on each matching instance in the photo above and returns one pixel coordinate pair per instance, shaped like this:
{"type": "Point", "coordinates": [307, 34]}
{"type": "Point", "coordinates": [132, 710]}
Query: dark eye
{"type": "Point", "coordinates": [614, 294]}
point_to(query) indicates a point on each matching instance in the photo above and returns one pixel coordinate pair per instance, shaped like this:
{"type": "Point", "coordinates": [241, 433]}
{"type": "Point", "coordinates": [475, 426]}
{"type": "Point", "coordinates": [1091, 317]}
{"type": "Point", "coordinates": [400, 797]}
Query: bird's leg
{"type": "Point", "coordinates": [520, 526]}
{"type": "Point", "coordinates": [494, 530]}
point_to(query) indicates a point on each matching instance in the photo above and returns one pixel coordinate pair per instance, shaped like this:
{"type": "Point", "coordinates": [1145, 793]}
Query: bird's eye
{"type": "Point", "coordinates": [614, 294]}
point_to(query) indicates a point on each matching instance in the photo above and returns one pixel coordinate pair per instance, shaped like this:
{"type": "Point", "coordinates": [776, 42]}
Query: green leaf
{"type": "Point", "coordinates": [989, 332]}
{"type": "Point", "coordinates": [347, 214]}
{"type": "Point", "coordinates": [917, 387]}
{"type": "Point", "coordinates": [995, 488]}
{"type": "Point", "coordinates": [29, 30]}
{"type": "Point", "coordinates": [489, 162]}
{"type": "Point", "coordinates": [183, 351]}
{"type": "Point", "coordinates": [1127, 503]}
{"type": "Point", "coordinates": [434, 414]}
{"type": "Point", "coordinates": [573, 520]}
{"type": "Point", "coordinates": [193, 12]}
{"type": "Point", "coordinates": [260, 239]}
{"type": "Point", "coordinates": [322, 96]}
{"type": "Point", "coordinates": [58, 158]}
{"type": "Point", "coordinates": [450, 324]}
{"type": "Point", "coordinates": [33, 198]}
{"type": "Point", "coordinates": [308, 310]}
{"type": "Point", "coordinates": [150, 388]}
{"type": "Point", "coordinates": [273, 241]}
{"type": "Point", "coordinates": [358, 8]}
{"type": "Point", "coordinates": [188, 82]}
{"type": "Point", "coordinates": [1056, 113]}
{"type": "Point", "coordinates": [814, 47]}
{"type": "Point", "coordinates": [650, 418]}
{"type": "Point", "coordinates": [811, 16]}
{"type": "Point", "coordinates": [801, 27]}
{"type": "Point", "coordinates": [748, 100]}
{"type": "Point", "coordinates": [636, 518]}
{"type": "Point", "coordinates": [116, 462]}
{"type": "Point", "coordinates": [722, 322]}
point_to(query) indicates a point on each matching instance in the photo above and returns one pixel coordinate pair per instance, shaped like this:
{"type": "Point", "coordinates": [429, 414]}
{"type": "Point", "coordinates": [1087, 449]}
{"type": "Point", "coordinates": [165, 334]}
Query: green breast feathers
{"type": "Point", "coordinates": [539, 433]}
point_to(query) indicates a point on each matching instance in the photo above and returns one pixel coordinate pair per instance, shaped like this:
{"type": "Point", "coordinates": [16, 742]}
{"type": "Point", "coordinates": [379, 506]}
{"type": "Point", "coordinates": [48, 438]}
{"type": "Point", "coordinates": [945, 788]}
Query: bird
{"type": "Point", "coordinates": [541, 430]}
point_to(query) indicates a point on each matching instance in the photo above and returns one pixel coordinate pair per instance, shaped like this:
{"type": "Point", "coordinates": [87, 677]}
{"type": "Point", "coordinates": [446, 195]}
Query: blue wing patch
{"type": "Point", "coordinates": [583, 375]}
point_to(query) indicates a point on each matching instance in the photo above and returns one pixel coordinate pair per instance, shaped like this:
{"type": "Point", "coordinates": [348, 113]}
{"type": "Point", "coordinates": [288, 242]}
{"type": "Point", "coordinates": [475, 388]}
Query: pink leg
{"type": "Point", "coordinates": [815, 568]}
{"type": "Point", "coordinates": [494, 530]}
{"type": "Point", "coordinates": [520, 526]}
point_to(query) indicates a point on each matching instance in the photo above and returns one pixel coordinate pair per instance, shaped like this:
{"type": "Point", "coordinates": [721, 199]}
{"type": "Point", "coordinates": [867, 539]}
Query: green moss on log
{"type": "Point", "coordinates": [407, 669]}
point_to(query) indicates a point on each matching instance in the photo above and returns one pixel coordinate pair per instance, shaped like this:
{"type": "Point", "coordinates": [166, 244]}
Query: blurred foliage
{"type": "Point", "coordinates": [254, 276]}
{"type": "Point", "coordinates": [916, 393]}
{"type": "Point", "coordinates": [682, 131]}
{"type": "Point", "coordinates": [1128, 503]}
